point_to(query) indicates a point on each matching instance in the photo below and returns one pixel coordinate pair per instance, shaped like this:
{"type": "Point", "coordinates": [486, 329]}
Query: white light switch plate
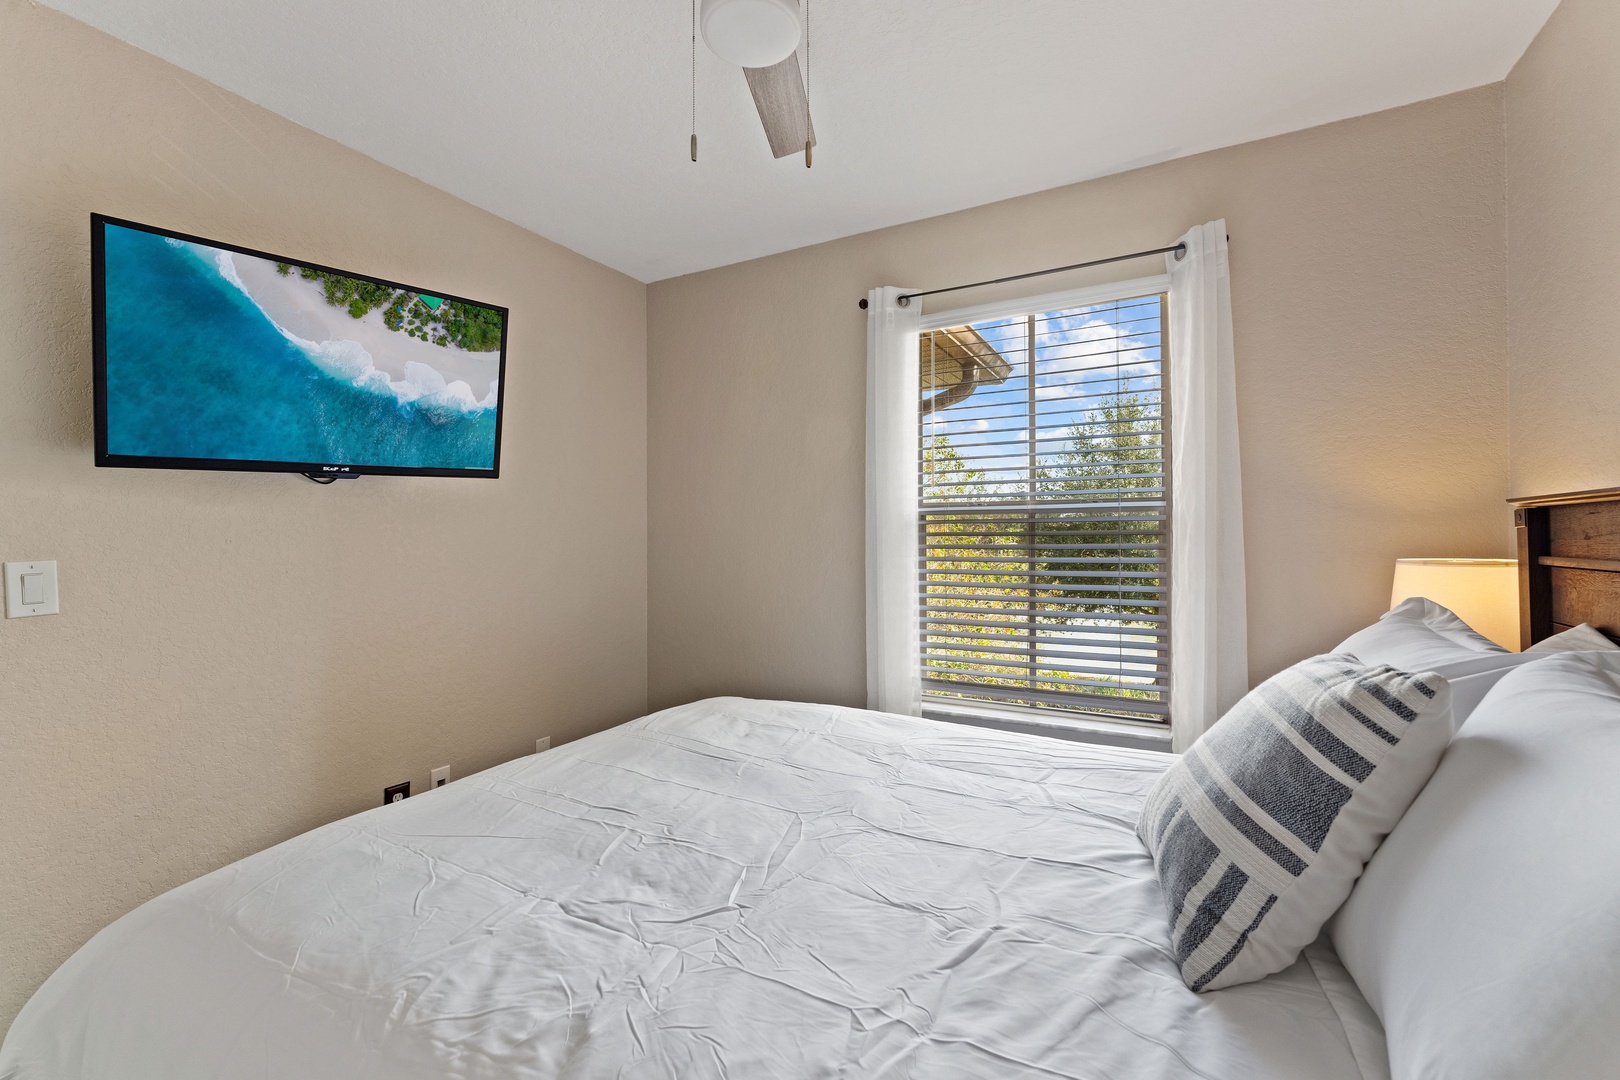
{"type": "Point", "coordinates": [30, 589]}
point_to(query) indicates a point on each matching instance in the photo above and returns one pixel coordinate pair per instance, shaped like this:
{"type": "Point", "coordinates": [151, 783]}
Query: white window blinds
{"type": "Point", "coordinates": [1044, 511]}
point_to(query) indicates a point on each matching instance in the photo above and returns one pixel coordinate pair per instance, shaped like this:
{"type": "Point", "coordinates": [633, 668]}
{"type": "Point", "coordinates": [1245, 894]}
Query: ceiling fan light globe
{"type": "Point", "coordinates": [750, 33]}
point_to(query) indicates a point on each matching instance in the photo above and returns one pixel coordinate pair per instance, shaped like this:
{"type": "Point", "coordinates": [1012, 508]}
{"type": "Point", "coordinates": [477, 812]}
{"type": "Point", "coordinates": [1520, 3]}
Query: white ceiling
{"type": "Point", "coordinates": [570, 117]}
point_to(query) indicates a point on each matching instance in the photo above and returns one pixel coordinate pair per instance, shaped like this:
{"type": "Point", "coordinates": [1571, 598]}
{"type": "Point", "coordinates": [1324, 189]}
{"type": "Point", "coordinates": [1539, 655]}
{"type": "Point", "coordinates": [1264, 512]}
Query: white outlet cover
{"type": "Point", "coordinates": [40, 585]}
{"type": "Point", "coordinates": [542, 745]}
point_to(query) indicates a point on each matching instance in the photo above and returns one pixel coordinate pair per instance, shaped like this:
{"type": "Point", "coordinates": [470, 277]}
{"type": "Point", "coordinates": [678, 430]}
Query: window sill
{"type": "Point", "coordinates": [1130, 733]}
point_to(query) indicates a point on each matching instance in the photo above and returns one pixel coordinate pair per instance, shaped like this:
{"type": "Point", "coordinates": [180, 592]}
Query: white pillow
{"type": "Point", "coordinates": [1259, 830]}
{"type": "Point", "coordinates": [1582, 638]}
{"type": "Point", "coordinates": [1486, 930]}
{"type": "Point", "coordinates": [1420, 635]}
{"type": "Point", "coordinates": [1417, 631]}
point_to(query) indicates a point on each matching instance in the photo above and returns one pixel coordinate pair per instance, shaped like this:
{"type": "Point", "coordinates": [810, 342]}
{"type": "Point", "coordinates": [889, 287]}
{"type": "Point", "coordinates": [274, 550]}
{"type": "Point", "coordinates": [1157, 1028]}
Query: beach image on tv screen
{"type": "Point", "coordinates": [216, 354]}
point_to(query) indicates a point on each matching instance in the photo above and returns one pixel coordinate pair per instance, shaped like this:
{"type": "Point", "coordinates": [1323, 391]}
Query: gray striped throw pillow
{"type": "Point", "coordinates": [1260, 829]}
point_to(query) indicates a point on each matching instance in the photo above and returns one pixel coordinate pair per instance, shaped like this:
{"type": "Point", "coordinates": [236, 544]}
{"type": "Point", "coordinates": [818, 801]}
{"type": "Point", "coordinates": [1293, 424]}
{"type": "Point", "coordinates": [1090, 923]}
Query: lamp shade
{"type": "Point", "coordinates": [1484, 593]}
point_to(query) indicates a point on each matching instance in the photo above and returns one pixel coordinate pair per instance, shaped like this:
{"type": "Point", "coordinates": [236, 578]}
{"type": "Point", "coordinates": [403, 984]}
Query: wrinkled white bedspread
{"type": "Point", "coordinates": [730, 889]}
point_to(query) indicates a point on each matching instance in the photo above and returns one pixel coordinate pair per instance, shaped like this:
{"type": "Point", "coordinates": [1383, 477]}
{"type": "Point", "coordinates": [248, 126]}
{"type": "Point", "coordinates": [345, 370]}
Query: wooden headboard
{"type": "Point", "coordinates": [1569, 563]}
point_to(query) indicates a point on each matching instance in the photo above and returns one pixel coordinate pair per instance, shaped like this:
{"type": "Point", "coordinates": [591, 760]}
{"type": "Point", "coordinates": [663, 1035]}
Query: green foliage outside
{"type": "Point", "coordinates": [467, 326]}
{"type": "Point", "coordinates": [1022, 564]}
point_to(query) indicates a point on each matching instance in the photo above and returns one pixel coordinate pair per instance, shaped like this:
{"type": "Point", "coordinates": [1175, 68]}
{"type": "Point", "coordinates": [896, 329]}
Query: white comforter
{"type": "Point", "coordinates": [730, 889]}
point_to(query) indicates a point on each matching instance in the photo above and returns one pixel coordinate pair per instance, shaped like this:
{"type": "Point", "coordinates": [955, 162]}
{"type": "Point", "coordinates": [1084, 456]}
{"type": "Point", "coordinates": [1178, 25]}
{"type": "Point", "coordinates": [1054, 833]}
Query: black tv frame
{"type": "Point", "coordinates": [313, 469]}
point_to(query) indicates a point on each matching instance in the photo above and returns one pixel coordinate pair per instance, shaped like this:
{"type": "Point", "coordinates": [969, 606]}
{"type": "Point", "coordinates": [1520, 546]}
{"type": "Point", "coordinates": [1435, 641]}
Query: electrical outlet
{"type": "Point", "coordinates": [542, 745]}
{"type": "Point", "coordinates": [439, 777]}
{"type": "Point", "coordinates": [396, 793]}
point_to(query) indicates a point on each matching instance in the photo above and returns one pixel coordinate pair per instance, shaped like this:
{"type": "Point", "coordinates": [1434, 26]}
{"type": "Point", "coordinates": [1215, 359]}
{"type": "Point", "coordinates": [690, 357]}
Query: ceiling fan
{"type": "Point", "coordinates": [762, 38]}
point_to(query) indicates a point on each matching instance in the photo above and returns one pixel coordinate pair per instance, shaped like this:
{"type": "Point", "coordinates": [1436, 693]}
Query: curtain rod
{"type": "Point", "coordinates": [1180, 249]}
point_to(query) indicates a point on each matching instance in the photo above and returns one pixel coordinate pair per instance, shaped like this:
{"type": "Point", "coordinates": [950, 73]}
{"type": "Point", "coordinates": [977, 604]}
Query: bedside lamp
{"type": "Point", "coordinates": [1484, 593]}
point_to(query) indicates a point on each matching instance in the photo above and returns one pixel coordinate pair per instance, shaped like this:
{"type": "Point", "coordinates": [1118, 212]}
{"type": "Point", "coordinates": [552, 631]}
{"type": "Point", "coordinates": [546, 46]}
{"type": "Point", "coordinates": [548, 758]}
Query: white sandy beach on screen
{"type": "Point", "coordinates": [299, 307]}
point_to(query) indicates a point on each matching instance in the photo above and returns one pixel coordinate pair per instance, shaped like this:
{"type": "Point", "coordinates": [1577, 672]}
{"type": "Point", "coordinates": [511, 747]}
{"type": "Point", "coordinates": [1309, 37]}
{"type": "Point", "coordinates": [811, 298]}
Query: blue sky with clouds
{"type": "Point", "coordinates": [1084, 358]}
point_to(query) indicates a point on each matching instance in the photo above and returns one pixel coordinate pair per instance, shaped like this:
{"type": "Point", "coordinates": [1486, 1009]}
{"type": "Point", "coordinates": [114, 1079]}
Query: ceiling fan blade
{"type": "Point", "coordinates": [779, 96]}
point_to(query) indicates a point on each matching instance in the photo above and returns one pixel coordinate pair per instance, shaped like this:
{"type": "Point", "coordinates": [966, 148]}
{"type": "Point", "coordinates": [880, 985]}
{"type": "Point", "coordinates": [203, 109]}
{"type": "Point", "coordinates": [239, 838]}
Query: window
{"type": "Point", "coordinates": [1044, 512]}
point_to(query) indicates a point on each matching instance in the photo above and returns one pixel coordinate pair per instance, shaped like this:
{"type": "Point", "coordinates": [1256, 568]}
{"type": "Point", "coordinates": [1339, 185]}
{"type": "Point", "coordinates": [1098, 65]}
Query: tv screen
{"type": "Point", "coordinates": [212, 356]}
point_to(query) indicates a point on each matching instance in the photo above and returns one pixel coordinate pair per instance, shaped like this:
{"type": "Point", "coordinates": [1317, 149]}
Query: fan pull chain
{"type": "Point", "coordinates": [694, 80]}
{"type": "Point", "coordinates": [807, 156]}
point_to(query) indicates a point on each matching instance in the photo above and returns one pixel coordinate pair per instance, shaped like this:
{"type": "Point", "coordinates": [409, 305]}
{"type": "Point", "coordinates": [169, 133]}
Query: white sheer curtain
{"type": "Point", "coordinates": [1209, 649]}
{"type": "Point", "coordinates": [893, 678]}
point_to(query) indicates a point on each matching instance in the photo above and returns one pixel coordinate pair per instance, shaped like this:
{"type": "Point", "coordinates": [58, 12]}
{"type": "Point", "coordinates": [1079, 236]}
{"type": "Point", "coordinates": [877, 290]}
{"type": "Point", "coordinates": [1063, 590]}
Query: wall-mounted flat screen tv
{"type": "Point", "coordinates": [212, 356]}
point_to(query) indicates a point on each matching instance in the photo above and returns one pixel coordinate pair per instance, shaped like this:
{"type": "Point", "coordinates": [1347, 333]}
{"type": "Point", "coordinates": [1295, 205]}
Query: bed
{"type": "Point", "coordinates": [729, 889]}
{"type": "Point", "coordinates": [736, 889]}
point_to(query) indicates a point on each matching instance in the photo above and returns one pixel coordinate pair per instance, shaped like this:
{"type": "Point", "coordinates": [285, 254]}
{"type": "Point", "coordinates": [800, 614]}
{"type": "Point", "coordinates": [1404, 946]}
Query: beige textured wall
{"type": "Point", "coordinates": [1368, 295]}
{"type": "Point", "coordinates": [242, 657]}
{"type": "Point", "coordinates": [1563, 242]}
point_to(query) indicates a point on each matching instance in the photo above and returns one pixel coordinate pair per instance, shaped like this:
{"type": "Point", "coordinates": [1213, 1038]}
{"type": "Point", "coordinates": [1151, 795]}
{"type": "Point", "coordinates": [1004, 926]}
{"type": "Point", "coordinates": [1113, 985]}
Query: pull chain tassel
{"type": "Point", "coordinates": [694, 80]}
{"type": "Point", "coordinates": [807, 153]}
